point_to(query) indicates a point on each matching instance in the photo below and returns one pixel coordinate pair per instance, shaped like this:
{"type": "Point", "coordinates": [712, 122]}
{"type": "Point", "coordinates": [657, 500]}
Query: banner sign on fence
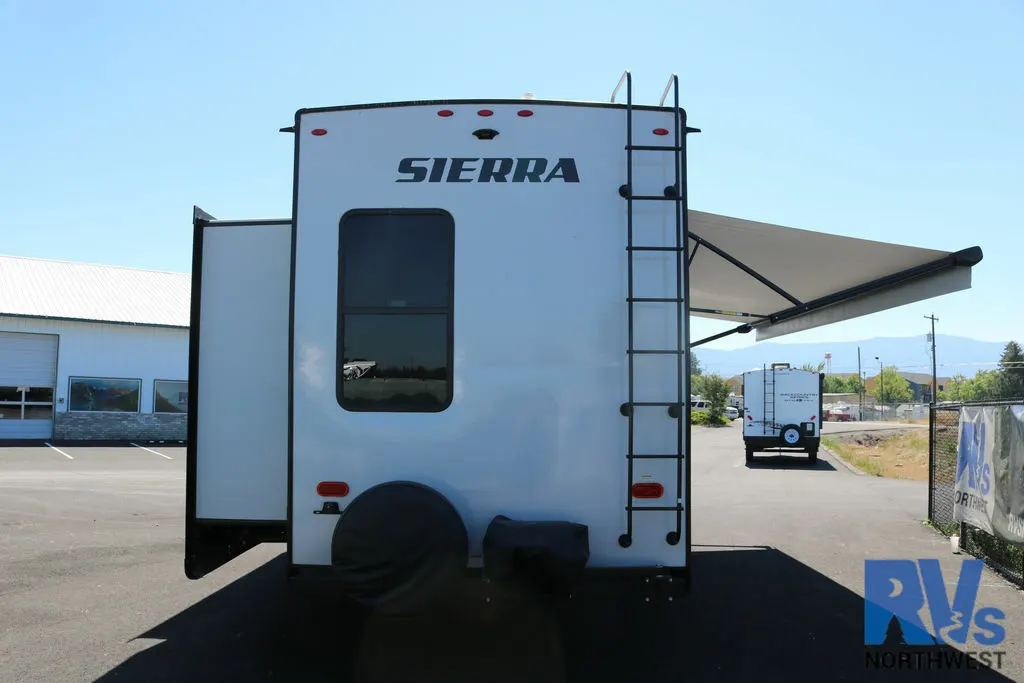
{"type": "Point", "coordinates": [990, 470]}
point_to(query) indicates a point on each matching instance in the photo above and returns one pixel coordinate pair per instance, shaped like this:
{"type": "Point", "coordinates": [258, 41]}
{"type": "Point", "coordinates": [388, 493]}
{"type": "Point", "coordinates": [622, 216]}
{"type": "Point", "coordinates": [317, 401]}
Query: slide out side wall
{"type": "Point", "coordinates": [237, 474]}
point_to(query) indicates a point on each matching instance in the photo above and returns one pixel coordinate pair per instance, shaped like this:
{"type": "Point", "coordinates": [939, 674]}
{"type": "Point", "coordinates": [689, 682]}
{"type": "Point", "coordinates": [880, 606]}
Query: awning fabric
{"type": "Point", "coordinates": [779, 280]}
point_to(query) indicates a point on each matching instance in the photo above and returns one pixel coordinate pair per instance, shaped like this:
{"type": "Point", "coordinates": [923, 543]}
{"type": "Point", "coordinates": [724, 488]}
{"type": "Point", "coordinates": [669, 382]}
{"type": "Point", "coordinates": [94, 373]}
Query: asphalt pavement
{"type": "Point", "coordinates": [92, 588]}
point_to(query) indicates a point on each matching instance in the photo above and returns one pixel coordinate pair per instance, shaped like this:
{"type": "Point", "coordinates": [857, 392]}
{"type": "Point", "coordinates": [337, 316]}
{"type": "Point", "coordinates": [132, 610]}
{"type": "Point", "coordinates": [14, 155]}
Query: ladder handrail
{"type": "Point", "coordinates": [628, 78]}
{"type": "Point", "coordinates": [764, 400]}
{"type": "Point", "coordinates": [625, 77]}
{"type": "Point", "coordinates": [672, 80]}
{"type": "Point", "coordinates": [681, 263]}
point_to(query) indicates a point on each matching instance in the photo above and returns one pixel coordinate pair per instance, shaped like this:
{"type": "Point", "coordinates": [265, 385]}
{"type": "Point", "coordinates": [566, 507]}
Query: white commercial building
{"type": "Point", "coordinates": [92, 352]}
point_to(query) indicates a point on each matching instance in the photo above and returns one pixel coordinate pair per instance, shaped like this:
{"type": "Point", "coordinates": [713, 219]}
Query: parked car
{"type": "Point", "coordinates": [732, 413]}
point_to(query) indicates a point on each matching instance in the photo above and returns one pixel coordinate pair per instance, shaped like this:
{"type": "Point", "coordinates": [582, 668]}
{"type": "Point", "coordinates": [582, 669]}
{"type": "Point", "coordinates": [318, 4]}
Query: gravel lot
{"type": "Point", "coordinates": [92, 587]}
{"type": "Point", "coordinates": [840, 427]}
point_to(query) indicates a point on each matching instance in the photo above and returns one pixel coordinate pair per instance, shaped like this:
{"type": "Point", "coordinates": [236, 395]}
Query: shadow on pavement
{"type": "Point", "coordinates": [754, 614]}
{"type": "Point", "coordinates": [789, 462]}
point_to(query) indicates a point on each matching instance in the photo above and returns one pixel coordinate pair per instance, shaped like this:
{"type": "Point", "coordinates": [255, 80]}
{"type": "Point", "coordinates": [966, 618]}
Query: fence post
{"type": "Point", "coordinates": [931, 463]}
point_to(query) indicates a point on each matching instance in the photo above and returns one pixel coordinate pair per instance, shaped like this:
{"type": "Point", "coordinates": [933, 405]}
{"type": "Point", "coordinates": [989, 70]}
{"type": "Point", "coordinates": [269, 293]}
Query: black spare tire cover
{"type": "Point", "coordinates": [399, 546]}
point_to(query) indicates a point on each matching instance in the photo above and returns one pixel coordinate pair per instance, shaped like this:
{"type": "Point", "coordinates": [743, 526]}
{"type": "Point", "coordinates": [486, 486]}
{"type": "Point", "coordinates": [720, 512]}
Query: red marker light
{"type": "Point", "coordinates": [332, 489]}
{"type": "Point", "coordinates": [661, 131]}
{"type": "Point", "coordinates": [525, 112]}
{"type": "Point", "coordinates": [445, 112]}
{"type": "Point", "coordinates": [319, 131]}
{"type": "Point", "coordinates": [485, 112]}
{"type": "Point", "coordinates": [648, 490]}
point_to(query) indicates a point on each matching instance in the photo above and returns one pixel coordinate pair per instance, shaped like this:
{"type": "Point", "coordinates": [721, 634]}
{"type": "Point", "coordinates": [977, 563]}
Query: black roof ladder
{"type": "Point", "coordinates": [679, 409]}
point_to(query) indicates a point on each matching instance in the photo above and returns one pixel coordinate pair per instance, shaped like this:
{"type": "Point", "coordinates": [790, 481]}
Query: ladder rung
{"type": "Point", "coordinates": [654, 352]}
{"type": "Point", "coordinates": [660, 508]}
{"type": "Point", "coordinates": [654, 300]}
{"type": "Point", "coordinates": [655, 148]}
{"type": "Point", "coordinates": [654, 198]}
{"type": "Point", "coordinates": [658, 456]}
{"type": "Point", "coordinates": [652, 248]}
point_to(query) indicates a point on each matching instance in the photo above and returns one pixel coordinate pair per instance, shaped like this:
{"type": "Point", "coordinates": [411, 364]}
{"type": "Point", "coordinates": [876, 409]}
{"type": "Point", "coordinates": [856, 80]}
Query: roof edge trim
{"type": "Point", "coordinates": [94, 321]}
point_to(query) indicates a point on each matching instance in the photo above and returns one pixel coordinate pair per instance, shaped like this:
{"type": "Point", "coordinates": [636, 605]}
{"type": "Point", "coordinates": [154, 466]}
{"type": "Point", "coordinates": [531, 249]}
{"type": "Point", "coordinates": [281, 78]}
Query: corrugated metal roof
{"type": "Point", "coordinates": [85, 291]}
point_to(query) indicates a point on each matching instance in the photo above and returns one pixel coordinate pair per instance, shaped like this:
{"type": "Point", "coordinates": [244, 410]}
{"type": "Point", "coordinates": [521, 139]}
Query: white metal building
{"type": "Point", "coordinates": [92, 352]}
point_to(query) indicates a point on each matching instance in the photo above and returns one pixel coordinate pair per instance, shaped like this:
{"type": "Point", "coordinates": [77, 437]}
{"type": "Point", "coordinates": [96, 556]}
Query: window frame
{"type": "Point", "coordinates": [23, 403]}
{"type": "Point", "coordinates": [171, 381]}
{"type": "Point", "coordinates": [448, 311]}
{"type": "Point", "coordinates": [137, 411]}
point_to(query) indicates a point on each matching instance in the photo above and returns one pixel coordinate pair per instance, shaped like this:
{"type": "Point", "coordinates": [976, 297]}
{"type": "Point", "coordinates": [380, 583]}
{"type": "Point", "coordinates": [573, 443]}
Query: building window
{"type": "Point", "coordinates": [100, 395]}
{"type": "Point", "coordinates": [26, 403]}
{"type": "Point", "coordinates": [170, 396]}
{"type": "Point", "coordinates": [395, 310]}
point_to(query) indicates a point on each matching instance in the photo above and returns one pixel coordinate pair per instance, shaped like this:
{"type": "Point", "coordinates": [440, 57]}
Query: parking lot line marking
{"type": "Point", "coordinates": [59, 451]}
{"type": "Point", "coordinates": [152, 451]}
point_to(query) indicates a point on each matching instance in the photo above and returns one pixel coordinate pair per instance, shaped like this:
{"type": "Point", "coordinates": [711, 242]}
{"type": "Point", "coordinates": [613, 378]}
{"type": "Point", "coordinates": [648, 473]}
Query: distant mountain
{"type": "Point", "coordinates": [909, 354]}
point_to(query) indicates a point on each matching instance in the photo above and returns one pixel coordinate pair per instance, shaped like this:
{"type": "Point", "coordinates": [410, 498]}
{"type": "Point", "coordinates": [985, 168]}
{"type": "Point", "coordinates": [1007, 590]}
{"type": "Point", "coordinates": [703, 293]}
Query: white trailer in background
{"type": "Point", "coordinates": [782, 410]}
{"type": "Point", "coordinates": [466, 350]}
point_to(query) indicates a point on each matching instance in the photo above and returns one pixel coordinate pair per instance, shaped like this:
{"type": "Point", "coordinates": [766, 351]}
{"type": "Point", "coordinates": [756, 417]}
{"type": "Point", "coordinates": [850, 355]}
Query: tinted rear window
{"type": "Point", "coordinates": [395, 311]}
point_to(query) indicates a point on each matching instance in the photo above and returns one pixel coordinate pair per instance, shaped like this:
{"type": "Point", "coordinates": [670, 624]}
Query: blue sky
{"type": "Point", "coordinates": [891, 121]}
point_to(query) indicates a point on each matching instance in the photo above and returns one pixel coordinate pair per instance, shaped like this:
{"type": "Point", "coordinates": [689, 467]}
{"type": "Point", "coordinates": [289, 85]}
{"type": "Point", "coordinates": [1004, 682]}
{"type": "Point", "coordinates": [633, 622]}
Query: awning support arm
{"type": "Point", "coordinates": [692, 253]}
{"type": "Point", "coordinates": [965, 257]}
{"type": "Point", "coordinates": [747, 269]}
{"type": "Point", "coordinates": [742, 329]}
{"type": "Point", "coordinates": [738, 314]}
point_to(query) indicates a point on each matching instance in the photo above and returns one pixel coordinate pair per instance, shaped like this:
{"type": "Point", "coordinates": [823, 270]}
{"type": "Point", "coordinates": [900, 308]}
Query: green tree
{"type": "Point", "coordinates": [695, 367]}
{"type": "Point", "coordinates": [954, 390]}
{"type": "Point", "coordinates": [891, 388]}
{"type": "Point", "coordinates": [696, 375]}
{"type": "Point", "coordinates": [984, 386]}
{"type": "Point", "coordinates": [854, 385]}
{"type": "Point", "coordinates": [811, 367]}
{"type": "Point", "coordinates": [1011, 372]}
{"type": "Point", "coordinates": [834, 384]}
{"type": "Point", "coordinates": [716, 391]}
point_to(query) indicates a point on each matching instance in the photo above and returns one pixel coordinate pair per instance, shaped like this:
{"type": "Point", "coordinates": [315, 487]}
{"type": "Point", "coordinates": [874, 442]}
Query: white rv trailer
{"type": "Point", "coordinates": [466, 350]}
{"type": "Point", "coordinates": [783, 410]}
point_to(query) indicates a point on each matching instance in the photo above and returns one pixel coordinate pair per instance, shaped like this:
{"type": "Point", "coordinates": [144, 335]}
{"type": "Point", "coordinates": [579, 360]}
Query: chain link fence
{"type": "Point", "coordinates": [944, 440]}
{"type": "Point", "coordinates": [872, 411]}
{"type": "Point", "coordinates": [897, 412]}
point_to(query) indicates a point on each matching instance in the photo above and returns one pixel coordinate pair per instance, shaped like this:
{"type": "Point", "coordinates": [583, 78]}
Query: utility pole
{"type": "Point", "coordinates": [935, 381]}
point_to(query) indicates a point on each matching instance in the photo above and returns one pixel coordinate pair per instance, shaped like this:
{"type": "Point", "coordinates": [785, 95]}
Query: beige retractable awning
{"type": "Point", "coordinates": [779, 280]}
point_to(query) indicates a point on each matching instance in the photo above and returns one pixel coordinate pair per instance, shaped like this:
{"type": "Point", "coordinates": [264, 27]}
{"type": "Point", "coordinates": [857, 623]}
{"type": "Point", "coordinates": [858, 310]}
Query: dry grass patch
{"type": "Point", "coordinates": [903, 455]}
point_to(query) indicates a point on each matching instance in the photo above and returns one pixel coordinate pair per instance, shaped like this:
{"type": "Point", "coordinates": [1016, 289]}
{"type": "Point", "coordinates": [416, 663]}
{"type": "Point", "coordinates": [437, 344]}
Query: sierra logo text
{"type": "Point", "coordinates": [487, 170]}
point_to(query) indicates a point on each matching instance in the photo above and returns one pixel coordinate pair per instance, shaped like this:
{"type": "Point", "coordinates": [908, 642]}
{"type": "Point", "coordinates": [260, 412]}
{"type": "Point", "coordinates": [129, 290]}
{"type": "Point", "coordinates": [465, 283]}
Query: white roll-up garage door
{"type": "Point", "coordinates": [28, 378]}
